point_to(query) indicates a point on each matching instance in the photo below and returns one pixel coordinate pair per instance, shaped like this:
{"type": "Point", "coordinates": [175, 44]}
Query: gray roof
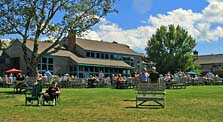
{"type": "Point", "coordinates": [102, 46]}
{"type": "Point", "coordinates": [42, 45]}
{"type": "Point", "coordinates": [210, 59]}
{"type": "Point", "coordinates": [91, 61]}
{"type": "Point", "coordinates": [79, 60]}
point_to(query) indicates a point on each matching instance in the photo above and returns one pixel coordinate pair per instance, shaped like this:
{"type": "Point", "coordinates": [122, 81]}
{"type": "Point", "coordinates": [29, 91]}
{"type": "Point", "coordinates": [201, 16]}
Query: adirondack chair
{"type": "Point", "coordinates": [50, 102]}
{"type": "Point", "coordinates": [52, 94]}
{"type": "Point", "coordinates": [34, 95]}
{"type": "Point", "coordinates": [150, 92]}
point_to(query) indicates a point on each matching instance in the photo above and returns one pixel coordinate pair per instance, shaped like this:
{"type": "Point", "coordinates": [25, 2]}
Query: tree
{"type": "Point", "coordinates": [49, 18]}
{"type": "Point", "coordinates": [171, 49]}
{"type": "Point", "coordinates": [3, 45]}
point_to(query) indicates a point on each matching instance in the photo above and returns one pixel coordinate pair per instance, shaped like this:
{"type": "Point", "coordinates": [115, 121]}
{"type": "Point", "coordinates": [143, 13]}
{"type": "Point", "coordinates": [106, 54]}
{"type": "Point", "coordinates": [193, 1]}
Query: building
{"type": "Point", "coordinates": [80, 57]}
{"type": "Point", "coordinates": [213, 63]}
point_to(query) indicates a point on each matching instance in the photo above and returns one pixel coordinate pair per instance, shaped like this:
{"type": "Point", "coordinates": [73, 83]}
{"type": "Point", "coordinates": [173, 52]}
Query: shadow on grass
{"type": "Point", "coordinates": [145, 107]}
{"type": "Point", "coordinates": [130, 100]}
{"type": "Point", "coordinates": [7, 92]}
{"type": "Point", "coordinates": [33, 105]}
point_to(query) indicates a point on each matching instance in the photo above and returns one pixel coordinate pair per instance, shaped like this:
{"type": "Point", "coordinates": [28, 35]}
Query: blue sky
{"type": "Point", "coordinates": [137, 20]}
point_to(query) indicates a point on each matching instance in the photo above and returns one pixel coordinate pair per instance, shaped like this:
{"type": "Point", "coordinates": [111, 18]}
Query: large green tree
{"type": "Point", "coordinates": [49, 18]}
{"type": "Point", "coordinates": [171, 49]}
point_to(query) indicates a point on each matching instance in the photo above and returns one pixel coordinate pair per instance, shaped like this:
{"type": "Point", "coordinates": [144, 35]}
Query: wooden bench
{"type": "Point", "coordinates": [146, 92]}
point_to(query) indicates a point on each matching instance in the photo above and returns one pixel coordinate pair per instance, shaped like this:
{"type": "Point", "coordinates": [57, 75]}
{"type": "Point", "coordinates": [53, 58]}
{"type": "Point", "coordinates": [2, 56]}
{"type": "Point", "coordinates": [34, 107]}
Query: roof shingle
{"type": "Point", "coordinates": [102, 46]}
{"type": "Point", "coordinates": [210, 59]}
{"type": "Point", "coordinates": [91, 61]}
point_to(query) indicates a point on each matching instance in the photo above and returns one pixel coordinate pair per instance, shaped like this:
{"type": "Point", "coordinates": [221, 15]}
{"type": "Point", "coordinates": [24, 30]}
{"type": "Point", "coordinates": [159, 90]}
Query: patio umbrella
{"type": "Point", "coordinates": [13, 71]}
{"type": "Point", "coordinates": [191, 73]}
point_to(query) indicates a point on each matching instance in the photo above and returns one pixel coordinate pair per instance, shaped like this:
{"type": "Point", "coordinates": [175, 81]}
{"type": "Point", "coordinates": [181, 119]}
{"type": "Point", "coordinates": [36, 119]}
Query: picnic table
{"type": "Point", "coordinates": [20, 86]}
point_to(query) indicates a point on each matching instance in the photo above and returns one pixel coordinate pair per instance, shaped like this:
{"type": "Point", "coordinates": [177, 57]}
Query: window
{"type": "Point", "coordinates": [39, 66]}
{"type": "Point", "coordinates": [97, 55]}
{"type": "Point", "coordinates": [86, 69]}
{"type": "Point", "coordinates": [44, 60]}
{"type": "Point", "coordinates": [81, 68]}
{"type": "Point", "coordinates": [96, 69]}
{"type": "Point", "coordinates": [46, 64]}
{"type": "Point", "coordinates": [91, 69]}
{"type": "Point", "coordinates": [106, 56]}
{"type": "Point", "coordinates": [50, 60]}
{"type": "Point", "coordinates": [44, 67]}
{"type": "Point", "coordinates": [2, 60]}
{"type": "Point", "coordinates": [50, 67]}
{"type": "Point", "coordinates": [102, 55]}
{"type": "Point", "coordinates": [107, 69]}
{"type": "Point", "coordinates": [92, 54]}
{"type": "Point", "coordinates": [131, 58]}
{"type": "Point", "coordinates": [75, 67]}
{"type": "Point", "coordinates": [111, 56]}
{"type": "Point", "coordinates": [88, 54]}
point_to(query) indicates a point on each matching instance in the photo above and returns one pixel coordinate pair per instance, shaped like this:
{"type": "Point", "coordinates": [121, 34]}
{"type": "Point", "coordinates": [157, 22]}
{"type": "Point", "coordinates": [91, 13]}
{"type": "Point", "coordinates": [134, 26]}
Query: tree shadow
{"type": "Point", "coordinates": [7, 92]}
{"type": "Point", "coordinates": [33, 105]}
{"type": "Point", "coordinates": [133, 100]}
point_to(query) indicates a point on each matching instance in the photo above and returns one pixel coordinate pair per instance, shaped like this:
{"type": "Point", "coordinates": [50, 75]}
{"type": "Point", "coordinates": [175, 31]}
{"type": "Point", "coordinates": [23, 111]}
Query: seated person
{"type": "Point", "coordinates": [52, 93]}
{"type": "Point", "coordinates": [19, 84]}
{"type": "Point", "coordinates": [91, 81]}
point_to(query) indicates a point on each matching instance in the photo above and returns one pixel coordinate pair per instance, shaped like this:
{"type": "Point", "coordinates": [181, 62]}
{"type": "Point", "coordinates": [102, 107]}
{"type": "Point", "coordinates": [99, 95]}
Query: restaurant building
{"type": "Point", "coordinates": [80, 57]}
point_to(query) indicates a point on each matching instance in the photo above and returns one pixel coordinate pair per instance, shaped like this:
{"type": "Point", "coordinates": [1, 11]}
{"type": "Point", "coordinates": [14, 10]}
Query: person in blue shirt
{"type": "Point", "coordinates": [144, 76]}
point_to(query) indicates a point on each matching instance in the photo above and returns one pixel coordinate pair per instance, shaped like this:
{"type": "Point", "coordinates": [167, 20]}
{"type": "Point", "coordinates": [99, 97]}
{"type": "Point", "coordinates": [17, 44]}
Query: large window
{"type": "Point", "coordinates": [45, 64]}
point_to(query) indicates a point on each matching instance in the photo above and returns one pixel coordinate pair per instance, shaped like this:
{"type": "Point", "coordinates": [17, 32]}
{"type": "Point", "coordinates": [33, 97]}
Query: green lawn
{"type": "Point", "coordinates": [193, 104]}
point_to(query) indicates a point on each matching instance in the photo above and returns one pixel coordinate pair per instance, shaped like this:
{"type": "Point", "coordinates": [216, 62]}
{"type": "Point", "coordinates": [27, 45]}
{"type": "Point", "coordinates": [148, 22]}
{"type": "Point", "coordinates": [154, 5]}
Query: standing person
{"type": "Point", "coordinates": [49, 75]}
{"type": "Point", "coordinates": [154, 76]}
{"type": "Point", "coordinates": [144, 76]}
{"type": "Point", "coordinates": [101, 75]}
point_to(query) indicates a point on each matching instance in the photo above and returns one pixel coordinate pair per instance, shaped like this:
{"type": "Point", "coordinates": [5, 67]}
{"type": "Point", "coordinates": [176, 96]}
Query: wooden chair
{"type": "Point", "coordinates": [35, 94]}
{"type": "Point", "coordinates": [50, 102]}
{"type": "Point", "coordinates": [150, 92]}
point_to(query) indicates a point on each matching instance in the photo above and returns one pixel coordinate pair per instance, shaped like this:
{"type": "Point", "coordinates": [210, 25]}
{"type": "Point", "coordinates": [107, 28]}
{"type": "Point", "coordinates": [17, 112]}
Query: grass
{"type": "Point", "coordinates": [193, 104]}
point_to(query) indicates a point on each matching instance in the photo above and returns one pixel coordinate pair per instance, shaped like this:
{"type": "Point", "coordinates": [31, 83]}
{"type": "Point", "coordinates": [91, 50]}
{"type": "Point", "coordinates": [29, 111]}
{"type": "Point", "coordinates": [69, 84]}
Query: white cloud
{"type": "Point", "coordinates": [142, 6]}
{"type": "Point", "coordinates": [201, 25]}
{"type": "Point", "coordinates": [213, 13]}
{"type": "Point", "coordinates": [91, 35]}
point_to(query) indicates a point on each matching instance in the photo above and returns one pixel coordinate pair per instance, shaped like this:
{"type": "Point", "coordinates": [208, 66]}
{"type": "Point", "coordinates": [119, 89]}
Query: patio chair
{"type": "Point", "coordinates": [34, 95]}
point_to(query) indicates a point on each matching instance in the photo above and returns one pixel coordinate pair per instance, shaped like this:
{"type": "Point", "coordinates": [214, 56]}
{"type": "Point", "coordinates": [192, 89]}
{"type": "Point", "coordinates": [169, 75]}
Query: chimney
{"type": "Point", "coordinates": [71, 40]}
{"type": "Point", "coordinates": [195, 53]}
{"type": "Point", "coordinates": [115, 42]}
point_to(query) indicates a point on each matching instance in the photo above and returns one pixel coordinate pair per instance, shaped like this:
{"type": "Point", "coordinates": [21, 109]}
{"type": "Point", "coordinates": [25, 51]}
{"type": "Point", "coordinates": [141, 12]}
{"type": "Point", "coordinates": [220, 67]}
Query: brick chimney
{"type": "Point", "coordinates": [71, 41]}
